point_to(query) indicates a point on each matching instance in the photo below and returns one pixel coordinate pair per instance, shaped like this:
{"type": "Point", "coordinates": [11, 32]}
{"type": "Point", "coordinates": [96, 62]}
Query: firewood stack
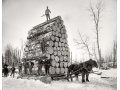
{"type": "Point", "coordinates": [49, 40]}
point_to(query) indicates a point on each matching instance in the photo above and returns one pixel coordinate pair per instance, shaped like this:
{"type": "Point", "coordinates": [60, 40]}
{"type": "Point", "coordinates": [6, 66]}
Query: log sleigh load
{"type": "Point", "coordinates": [49, 40]}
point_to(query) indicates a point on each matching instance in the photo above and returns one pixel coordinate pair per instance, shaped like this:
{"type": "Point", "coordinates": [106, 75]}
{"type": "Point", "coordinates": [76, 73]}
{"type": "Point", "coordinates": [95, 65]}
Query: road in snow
{"type": "Point", "coordinates": [96, 83]}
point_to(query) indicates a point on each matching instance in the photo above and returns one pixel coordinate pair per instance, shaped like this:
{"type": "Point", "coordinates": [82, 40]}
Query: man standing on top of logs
{"type": "Point", "coordinates": [44, 45]}
{"type": "Point", "coordinates": [47, 13]}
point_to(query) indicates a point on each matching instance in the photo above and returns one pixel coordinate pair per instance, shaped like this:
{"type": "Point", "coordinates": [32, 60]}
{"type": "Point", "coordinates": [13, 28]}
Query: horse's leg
{"type": "Point", "coordinates": [87, 75]}
{"type": "Point", "coordinates": [46, 70]}
{"type": "Point", "coordinates": [83, 75]}
{"type": "Point", "coordinates": [68, 76]}
{"type": "Point", "coordinates": [71, 77]}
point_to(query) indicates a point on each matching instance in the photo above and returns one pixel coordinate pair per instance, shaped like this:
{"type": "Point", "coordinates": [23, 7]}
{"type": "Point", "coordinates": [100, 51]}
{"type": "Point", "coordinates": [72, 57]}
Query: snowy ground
{"type": "Point", "coordinates": [96, 83]}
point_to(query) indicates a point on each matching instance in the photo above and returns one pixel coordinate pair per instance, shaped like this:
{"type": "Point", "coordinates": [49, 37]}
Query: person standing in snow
{"type": "Point", "coordinates": [13, 71]}
{"type": "Point", "coordinates": [26, 66]}
{"type": "Point", "coordinates": [5, 70]}
{"type": "Point", "coordinates": [40, 64]}
{"type": "Point", "coordinates": [31, 64]}
{"type": "Point", "coordinates": [47, 66]}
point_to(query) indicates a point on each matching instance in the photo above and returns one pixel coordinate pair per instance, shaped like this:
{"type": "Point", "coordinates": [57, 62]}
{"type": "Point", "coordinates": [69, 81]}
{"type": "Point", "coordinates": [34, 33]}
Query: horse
{"type": "Point", "coordinates": [83, 68]}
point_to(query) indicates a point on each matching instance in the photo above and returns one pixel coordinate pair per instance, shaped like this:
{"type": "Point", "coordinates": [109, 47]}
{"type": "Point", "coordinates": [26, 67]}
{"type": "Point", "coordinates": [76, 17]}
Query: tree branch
{"type": "Point", "coordinates": [84, 43]}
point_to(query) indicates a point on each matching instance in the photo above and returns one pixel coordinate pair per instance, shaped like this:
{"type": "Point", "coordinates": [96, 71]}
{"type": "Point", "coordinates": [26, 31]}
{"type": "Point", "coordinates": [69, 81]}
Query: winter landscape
{"type": "Point", "coordinates": [59, 45]}
{"type": "Point", "coordinates": [96, 83]}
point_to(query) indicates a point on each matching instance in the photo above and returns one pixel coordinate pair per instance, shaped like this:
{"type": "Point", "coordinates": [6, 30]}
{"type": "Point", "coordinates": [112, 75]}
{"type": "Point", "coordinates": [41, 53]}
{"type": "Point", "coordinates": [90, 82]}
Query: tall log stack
{"type": "Point", "coordinates": [56, 46]}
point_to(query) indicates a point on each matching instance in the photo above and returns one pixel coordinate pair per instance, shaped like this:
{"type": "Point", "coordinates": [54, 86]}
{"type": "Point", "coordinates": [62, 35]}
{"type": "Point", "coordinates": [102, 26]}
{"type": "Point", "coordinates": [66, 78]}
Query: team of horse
{"type": "Point", "coordinates": [81, 68]}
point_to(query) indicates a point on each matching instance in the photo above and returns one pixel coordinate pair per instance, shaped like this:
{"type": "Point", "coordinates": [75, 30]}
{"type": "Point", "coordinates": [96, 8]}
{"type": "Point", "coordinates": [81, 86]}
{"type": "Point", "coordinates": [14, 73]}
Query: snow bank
{"type": "Point", "coordinates": [112, 73]}
{"type": "Point", "coordinates": [96, 83]}
{"type": "Point", "coordinates": [23, 84]}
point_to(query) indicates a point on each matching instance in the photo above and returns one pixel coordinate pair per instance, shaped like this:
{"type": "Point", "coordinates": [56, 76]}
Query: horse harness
{"type": "Point", "coordinates": [84, 66]}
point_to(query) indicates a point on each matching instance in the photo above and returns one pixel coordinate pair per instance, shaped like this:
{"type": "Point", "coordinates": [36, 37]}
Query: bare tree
{"type": "Point", "coordinates": [8, 55]}
{"type": "Point", "coordinates": [96, 15]}
{"type": "Point", "coordinates": [71, 57]}
{"type": "Point", "coordinates": [109, 59]}
{"type": "Point", "coordinates": [114, 54]}
{"type": "Point", "coordinates": [94, 52]}
{"type": "Point", "coordinates": [12, 55]}
{"type": "Point", "coordinates": [2, 60]}
{"type": "Point", "coordinates": [22, 48]}
{"type": "Point", "coordinates": [83, 42]}
{"type": "Point", "coordinates": [16, 55]}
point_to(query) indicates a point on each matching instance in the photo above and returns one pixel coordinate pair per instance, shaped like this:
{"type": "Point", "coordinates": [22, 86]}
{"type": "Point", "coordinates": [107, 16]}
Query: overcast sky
{"type": "Point", "coordinates": [19, 16]}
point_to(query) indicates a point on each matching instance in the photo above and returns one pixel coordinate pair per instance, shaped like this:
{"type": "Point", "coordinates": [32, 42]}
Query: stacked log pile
{"type": "Point", "coordinates": [56, 48]}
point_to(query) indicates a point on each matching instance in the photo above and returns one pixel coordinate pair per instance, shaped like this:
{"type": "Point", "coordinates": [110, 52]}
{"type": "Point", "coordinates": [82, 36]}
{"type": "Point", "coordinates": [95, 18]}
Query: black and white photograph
{"type": "Point", "coordinates": [59, 45]}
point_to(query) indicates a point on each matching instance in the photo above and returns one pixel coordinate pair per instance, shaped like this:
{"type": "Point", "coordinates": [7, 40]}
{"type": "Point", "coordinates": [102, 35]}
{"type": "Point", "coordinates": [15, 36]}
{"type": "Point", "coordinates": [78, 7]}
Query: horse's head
{"type": "Point", "coordinates": [93, 63]}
